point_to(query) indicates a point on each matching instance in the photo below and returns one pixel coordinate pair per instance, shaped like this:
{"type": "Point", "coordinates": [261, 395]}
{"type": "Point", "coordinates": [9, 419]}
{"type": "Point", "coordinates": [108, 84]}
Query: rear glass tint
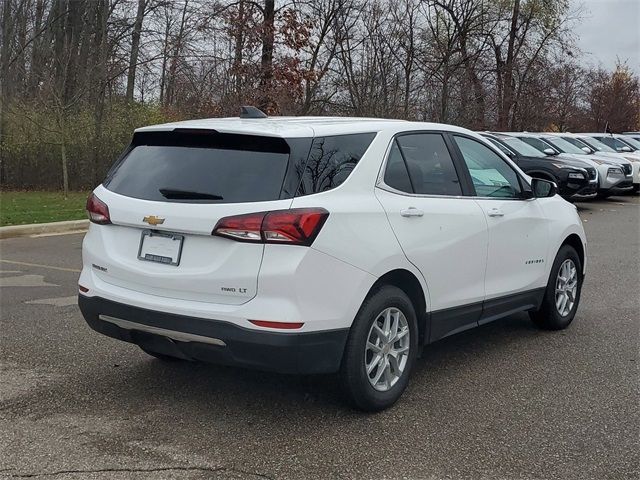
{"type": "Point", "coordinates": [201, 167]}
{"type": "Point", "coordinates": [331, 160]}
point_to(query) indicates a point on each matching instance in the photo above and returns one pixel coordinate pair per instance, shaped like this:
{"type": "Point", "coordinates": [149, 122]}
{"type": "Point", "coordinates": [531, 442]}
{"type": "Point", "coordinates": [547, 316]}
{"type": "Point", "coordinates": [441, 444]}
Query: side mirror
{"type": "Point", "coordinates": [549, 151]}
{"type": "Point", "coordinates": [587, 150]}
{"type": "Point", "coordinates": [543, 188]}
{"type": "Point", "coordinates": [625, 149]}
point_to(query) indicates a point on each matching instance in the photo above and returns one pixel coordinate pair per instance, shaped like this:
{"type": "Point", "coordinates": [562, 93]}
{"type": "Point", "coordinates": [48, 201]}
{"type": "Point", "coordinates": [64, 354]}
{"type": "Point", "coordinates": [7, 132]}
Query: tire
{"type": "Point", "coordinates": [160, 356]}
{"type": "Point", "coordinates": [549, 316]}
{"type": "Point", "coordinates": [603, 195]}
{"type": "Point", "coordinates": [356, 382]}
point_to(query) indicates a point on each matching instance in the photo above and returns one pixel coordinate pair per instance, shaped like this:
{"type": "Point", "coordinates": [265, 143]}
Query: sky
{"type": "Point", "coordinates": [610, 29]}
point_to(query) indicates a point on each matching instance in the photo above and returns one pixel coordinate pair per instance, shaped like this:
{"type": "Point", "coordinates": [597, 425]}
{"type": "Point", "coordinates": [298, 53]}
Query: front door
{"type": "Point", "coordinates": [518, 230]}
{"type": "Point", "coordinates": [443, 233]}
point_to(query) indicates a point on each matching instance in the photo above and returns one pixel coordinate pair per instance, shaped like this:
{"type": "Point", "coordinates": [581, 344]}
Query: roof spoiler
{"type": "Point", "coordinates": [251, 112]}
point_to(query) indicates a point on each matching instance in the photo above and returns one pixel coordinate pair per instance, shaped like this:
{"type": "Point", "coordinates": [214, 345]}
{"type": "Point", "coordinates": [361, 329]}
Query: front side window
{"type": "Point", "coordinates": [577, 143]}
{"type": "Point", "coordinates": [564, 146]}
{"type": "Point", "coordinates": [500, 147]}
{"type": "Point", "coordinates": [631, 142]}
{"type": "Point", "coordinates": [490, 174]}
{"type": "Point", "coordinates": [429, 164]}
{"type": "Point", "coordinates": [331, 160]}
{"type": "Point", "coordinates": [537, 143]}
{"type": "Point", "coordinates": [597, 145]}
{"type": "Point", "coordinates": [523, 148]}
{"type": "Point", "coordinates": [612, 142]}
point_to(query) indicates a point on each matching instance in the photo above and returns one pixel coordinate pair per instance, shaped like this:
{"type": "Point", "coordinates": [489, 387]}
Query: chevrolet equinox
{"type": "Point", "coordinates": [315, 245]}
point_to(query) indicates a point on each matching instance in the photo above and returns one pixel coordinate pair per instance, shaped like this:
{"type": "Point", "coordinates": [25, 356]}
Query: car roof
{"type": "Point", "coordinates": [529, 134]}
{"type": "Point", "coordinates": [569, 134]}
{"type": "Point", "coordinates": [499, 134]}
{"type": "Point", "coordinates": [288, 127]}
{"type": "Point", "coordinates": [604, 134]}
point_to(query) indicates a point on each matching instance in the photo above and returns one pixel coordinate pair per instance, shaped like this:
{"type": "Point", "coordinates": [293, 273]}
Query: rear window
{"type": "Point", "coordinates": [210, 167]}
{"type": "Point", "coordinates": [201, 167]}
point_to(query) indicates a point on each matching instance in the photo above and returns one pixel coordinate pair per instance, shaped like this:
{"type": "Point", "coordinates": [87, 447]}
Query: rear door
{"type": "Point", "coordinates": [442, 232]}
{"type": "Point", "coordinates": [518, 229]}
{"type": "Point", "coordinates": [166, 196]}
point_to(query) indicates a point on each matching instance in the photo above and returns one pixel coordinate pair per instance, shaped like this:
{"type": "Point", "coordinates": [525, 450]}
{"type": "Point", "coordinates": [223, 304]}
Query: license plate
{"type": "Point", "coordinates": [160, 247]}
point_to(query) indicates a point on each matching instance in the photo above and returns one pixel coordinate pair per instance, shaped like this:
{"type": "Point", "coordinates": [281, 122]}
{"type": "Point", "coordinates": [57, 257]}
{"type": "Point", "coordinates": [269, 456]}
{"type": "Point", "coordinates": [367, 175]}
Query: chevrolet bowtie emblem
{"type": "Point", "coordinates": [153, 220]}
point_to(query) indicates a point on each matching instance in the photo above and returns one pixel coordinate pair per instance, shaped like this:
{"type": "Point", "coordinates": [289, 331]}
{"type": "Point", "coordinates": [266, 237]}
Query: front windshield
{"type": "Point", "coordinates": [598, 145]}
{"type": "Point", "coordinates": [564, 146]}
{"type": "Point", "coordinates": [521, 147]}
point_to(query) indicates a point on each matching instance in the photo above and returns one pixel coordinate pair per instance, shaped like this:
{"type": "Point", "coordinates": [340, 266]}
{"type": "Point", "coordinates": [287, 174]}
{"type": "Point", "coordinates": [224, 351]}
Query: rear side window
{"type": "Point", "coordinates": [429, 164]}
{"type": "Point", "coordinates": [395, 174]}
{"type": "Point", "coordinates": [206, 167]}
{"type": "Point", "coordinates": [331, 160]}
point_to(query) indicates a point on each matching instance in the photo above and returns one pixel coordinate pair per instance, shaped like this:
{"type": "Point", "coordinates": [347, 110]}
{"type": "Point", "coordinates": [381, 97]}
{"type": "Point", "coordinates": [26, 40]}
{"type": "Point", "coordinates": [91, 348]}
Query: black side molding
{"type": "Point", "coordinates": [450, 321]}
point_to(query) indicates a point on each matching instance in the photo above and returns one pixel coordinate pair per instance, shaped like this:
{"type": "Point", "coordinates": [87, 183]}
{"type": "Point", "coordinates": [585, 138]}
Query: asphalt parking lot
{"type": "Point", "coordinates": [504, 401]}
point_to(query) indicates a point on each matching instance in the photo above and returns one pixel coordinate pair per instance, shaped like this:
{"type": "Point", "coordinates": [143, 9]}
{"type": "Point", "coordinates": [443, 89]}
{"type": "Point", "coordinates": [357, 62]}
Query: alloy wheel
{"type": "Point", "coordinates": [566, 287]}
{"type": "Point", "coordinates": [387, 350]}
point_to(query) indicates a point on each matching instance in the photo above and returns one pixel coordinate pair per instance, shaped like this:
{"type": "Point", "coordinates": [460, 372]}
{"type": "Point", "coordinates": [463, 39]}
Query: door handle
{"type": "Point", "coordinates": [495, 212]}
{"type": "Point", "coordinates": [411, 212]}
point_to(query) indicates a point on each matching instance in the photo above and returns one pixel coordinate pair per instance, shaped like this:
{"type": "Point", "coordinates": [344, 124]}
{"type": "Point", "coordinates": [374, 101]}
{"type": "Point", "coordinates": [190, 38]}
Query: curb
{"type": "Point", "coordinates": [39, 228]}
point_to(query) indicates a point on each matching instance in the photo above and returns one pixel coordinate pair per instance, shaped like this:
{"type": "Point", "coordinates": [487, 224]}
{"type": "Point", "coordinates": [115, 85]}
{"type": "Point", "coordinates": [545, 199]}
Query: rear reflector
{"type": "Point", "coordinates": [97, 210]}
{"type": "Point", "coordinates": [298, 226]}
{"type": "Point", "coordinates": [83, 289]}
{"type": "Point", "coordinates": [279, 325]}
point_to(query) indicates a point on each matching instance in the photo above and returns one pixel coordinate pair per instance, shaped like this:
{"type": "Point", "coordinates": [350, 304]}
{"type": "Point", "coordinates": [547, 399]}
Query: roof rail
{"type": "Point", "coordinates": [248, 111]}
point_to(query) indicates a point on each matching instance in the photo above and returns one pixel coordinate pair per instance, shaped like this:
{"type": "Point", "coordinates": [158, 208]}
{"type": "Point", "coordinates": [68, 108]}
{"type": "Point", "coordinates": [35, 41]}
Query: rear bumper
{"type": "Point", "coordinates": [216, 341]}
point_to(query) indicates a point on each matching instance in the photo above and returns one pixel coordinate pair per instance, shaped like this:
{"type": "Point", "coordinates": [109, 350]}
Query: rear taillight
{"type": "Point", "coordinates": [298, 226]}
{"type": "Point", "coordinates": [97, 210]}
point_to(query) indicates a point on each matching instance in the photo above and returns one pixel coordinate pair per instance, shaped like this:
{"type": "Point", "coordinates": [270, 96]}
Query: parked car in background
{"type": "Point", "coordinates": [593, 145]}
{"type": "Point", "coordinates": [574, 178]}
{"type": "Point", "coordinates": [620, 143]}
{"type": "Point", "coordinates": [630, 141]}
{"type": "Point", "coordinates": [634, 135]}
{"type": "Point", "coordinates": [612, 178]}
{"type": "Point", "coordinates": [315, 245]}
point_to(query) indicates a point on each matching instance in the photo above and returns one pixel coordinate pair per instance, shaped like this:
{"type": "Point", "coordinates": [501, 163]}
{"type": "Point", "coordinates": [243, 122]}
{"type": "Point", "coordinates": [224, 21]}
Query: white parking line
{"type": "Point", "coordinates": [56, 302]}
{"type": "Point", "coordinates": [38, 265]}
{"type": "Point", "coordinates": [25, 281]}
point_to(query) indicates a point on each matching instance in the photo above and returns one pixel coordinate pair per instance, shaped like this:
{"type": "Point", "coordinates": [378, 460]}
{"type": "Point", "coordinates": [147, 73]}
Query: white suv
{"type": "Point", "coordinates": [316, 245]}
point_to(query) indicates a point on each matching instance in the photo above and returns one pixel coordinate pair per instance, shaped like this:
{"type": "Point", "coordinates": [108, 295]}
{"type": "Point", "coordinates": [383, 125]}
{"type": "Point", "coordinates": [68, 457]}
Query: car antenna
{"type": "Point", "coordinates": [248, 111]}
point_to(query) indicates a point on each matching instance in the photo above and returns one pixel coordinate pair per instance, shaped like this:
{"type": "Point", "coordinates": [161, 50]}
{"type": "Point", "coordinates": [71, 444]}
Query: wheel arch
{"type": "Point", "coordinates": [409, 284]}
{"type": "Point", "coordinates": [573, 240]}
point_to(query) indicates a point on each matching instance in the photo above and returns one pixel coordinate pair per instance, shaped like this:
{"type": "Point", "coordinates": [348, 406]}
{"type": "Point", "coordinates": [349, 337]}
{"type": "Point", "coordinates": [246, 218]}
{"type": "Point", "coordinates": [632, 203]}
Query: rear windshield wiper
{"type": "Point", "coordinates": [175, 194]}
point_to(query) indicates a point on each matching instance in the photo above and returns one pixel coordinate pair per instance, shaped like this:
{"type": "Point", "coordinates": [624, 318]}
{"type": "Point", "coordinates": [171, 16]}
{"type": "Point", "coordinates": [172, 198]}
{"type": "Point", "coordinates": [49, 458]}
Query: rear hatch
{"type": "Point", "coordinates": [165, 197]}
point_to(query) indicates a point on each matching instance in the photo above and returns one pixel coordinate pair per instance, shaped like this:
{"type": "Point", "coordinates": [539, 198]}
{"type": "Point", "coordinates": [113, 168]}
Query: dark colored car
{"type": "Point", "coordinates": [573, 177]}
